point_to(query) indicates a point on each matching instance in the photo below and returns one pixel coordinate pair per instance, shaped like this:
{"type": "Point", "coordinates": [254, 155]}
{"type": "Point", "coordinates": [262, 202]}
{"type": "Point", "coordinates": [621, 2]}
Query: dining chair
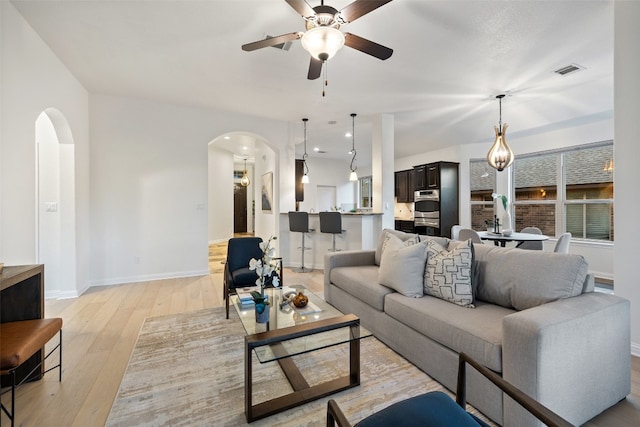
{"type": "Point", "coordinates": [467, 233]}
{"type": "Point", "coordinates": [455, 232]}
{"type": "Point", "coordinates": [562, 245]}
{"type": "Point", "coordinates": [532, 245]}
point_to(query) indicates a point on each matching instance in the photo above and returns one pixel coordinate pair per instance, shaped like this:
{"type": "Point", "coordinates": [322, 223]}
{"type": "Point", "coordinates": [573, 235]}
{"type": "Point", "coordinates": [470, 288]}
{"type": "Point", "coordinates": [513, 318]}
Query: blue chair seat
{"type": "Point", "coordinates": [433, 409]}
{"type": "Point", "coordinates": [244, 277]}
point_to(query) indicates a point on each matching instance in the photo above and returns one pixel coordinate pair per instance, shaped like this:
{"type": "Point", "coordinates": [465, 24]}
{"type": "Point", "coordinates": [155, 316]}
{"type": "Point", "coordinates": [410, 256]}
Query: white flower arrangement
{"type": "Point", "coordinates": [264, 268]}
{"type": "Point", "coordinates": [502, 197]}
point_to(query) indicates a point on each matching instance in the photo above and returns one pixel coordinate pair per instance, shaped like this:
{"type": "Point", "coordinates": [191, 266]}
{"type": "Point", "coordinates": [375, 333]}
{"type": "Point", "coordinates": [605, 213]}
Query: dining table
{"type": "Point", "coordinates": [502, 239]}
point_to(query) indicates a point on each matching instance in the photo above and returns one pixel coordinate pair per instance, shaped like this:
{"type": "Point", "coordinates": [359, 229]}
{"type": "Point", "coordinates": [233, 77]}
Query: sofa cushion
{"type": "Point", "coordinates": [361, 282]}
{"type": "Point", "coordinates": [402, 266]}
{"type": "Point", "coordinates": [520, 279]}
{"type": "Point", "coordinates": [477, 332]}
{"type": "Point", "coordinates": [448, 273]}
{"type": "Point", "coordinates": [382, 240]}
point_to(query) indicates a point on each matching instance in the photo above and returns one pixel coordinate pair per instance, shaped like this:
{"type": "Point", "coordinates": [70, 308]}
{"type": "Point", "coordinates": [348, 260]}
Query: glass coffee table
{"type": "Point", "coordinates": [291, 332]}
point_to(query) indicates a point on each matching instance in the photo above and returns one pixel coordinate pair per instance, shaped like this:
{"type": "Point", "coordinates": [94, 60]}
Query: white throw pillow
{"type": "Point", "coordinates": [448, 273]}
{"type": "Point", "coordinates": [402, 266]}
{"type": "Point", "coordinates": [384, 235]}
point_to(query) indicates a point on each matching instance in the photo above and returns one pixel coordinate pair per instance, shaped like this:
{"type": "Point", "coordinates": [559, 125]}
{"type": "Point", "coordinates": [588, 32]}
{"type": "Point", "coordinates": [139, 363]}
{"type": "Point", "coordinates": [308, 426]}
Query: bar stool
{"type": "Point", "coordinates": [331, 222]}
{"type": "Point", "coordinates": [299, 223]}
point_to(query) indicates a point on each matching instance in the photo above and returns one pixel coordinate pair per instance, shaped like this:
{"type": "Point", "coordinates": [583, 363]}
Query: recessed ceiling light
{"type": "Point", "coordinates": [245, 148]}
{"type": "Point", "coordinates": [348, 135]}
{"type": "Point", "coordinates": [227, 137]}
{"type": "Point", "coordinates": [316, 149]}
{"type": "Point", "coordinates": [332, 122]}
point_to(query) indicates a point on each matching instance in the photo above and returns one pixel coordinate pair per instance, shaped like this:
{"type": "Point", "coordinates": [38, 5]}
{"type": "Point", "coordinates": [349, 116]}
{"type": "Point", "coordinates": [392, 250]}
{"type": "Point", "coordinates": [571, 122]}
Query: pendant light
{"type": "Point", "coordinates": [305, 177]}
{"type": "Point", "coordinates": [245, 181]}
{"type": "Point", "coordinates": [500, 155]}
{"type": "Point", "coordinates": [353, 176]}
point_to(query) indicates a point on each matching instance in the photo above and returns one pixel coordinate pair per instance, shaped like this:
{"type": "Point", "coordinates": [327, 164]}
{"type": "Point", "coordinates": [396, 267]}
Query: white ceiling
{"type": "Point", "coordinates": [450, 60]}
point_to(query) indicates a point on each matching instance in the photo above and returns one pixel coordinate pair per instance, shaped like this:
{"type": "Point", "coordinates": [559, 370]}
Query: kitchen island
{"type": "Point", "coordinates": [361, 232]}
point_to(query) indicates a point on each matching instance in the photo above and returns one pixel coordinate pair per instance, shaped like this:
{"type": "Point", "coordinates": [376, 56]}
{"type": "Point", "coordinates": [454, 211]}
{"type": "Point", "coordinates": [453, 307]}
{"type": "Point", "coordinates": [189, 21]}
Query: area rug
{"type": "Point", "coordinates": [188, 370]}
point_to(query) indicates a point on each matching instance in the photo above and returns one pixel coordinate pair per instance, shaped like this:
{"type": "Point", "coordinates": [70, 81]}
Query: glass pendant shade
{"type": "Point", "coordinates": [245, 181]}
{"type": "Point", "coordinates": [305, 179]}
{"type": "Point", "coordinates": [500, 155]}
{"type": "Point", "coordinates": [353, 176]}
{"type": "Point", "coordinates": [322, 42]}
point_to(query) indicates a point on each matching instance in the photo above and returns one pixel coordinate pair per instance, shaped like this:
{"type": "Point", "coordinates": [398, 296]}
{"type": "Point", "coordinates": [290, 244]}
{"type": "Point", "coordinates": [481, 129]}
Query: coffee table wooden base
{"type": "Point", "coordinates": [303, 392]}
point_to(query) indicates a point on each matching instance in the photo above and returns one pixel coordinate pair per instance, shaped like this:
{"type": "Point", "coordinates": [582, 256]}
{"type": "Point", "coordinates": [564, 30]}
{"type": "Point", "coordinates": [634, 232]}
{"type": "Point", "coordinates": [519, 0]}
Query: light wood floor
{"type": "Point", "coordinates": [100, 330]}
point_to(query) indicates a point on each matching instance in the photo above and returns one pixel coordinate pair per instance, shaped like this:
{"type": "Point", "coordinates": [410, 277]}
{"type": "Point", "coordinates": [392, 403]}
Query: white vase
{"type": "Point", "coordinates": [506, 219]}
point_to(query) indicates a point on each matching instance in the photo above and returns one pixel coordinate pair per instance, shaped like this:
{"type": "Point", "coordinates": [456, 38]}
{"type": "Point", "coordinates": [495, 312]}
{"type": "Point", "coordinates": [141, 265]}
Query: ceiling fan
{"type": "Point", "coordinates": [322, 38]}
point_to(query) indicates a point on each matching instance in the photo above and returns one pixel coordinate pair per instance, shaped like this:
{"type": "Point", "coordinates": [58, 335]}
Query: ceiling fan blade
{"type": "Point", "coordinates": [271, 41]}
{"type": "Point", "coordinates": [367, 46]}
{"type": "Point", "coordinates": [302, 7]}
{"type": "Point", "coordinates": [315, 69]}
{"type": "Point", "coordinates": [360, 7]}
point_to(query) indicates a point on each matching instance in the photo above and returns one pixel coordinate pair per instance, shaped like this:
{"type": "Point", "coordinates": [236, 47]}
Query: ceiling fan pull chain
{"type": "Point", "coordinates": [326, 81]}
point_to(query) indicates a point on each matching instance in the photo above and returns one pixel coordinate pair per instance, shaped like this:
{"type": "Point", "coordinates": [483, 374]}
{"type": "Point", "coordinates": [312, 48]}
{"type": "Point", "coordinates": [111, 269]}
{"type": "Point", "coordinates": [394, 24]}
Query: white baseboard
{"type": "Point", "coordinates": [61, 294]}
{"type": "Point", "coordinates": [148, 278]}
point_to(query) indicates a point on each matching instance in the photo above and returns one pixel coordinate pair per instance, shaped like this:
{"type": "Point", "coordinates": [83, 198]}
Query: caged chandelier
{"type": "Point", "coordinates": [500, 155]}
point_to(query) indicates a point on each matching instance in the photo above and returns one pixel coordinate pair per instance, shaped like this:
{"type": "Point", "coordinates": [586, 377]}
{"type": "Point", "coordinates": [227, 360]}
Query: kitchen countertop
{"type": "Point", "coordinates": [345, 213]}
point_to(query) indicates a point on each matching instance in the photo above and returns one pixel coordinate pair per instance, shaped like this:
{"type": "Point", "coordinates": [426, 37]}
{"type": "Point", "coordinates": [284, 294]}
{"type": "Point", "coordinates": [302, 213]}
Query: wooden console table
{"type": "Point", "coordinates": [22, 298]}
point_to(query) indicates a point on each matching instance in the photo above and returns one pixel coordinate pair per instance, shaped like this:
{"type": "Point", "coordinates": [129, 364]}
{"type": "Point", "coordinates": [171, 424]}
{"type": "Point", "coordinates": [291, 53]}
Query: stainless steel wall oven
{"type": "Point", "coordinates": [427, 208]}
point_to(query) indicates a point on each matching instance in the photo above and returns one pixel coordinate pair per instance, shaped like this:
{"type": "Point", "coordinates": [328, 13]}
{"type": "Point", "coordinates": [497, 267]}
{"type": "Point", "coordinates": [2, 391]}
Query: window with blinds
{"type": "Point", "coordinates": [482, 181]}
{"type": "Point", "coordinates": [588, 174]}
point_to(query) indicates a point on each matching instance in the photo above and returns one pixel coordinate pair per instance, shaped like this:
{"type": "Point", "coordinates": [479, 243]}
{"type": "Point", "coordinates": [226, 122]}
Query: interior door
{"type": "Point", "coordinates": [239, 209]}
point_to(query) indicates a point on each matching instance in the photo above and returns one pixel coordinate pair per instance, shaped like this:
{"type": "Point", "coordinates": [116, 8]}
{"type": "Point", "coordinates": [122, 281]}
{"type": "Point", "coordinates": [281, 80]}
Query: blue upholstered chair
{"type": "Point", "coordinates": [240, 250]}
{"type": "Point", "coordinates": [437, 409]}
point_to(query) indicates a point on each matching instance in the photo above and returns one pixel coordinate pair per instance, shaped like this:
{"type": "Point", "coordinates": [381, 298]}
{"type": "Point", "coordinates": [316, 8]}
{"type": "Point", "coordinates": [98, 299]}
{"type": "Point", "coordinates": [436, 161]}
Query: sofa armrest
{"type": "Point", "coordinates": [572, 355]}
{"type": "Point", "coordinates": [345, 259]}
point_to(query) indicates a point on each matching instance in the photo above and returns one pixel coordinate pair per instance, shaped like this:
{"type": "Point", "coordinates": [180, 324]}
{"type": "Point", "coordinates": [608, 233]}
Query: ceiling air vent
{"type": "Point", "coordinates": [572, 68]}
{"type": "Point", "coordinates": [281, 46]}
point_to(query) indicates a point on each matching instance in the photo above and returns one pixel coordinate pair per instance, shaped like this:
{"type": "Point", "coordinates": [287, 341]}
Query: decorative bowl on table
{"type": "Point", "coordinates": [507, 233]}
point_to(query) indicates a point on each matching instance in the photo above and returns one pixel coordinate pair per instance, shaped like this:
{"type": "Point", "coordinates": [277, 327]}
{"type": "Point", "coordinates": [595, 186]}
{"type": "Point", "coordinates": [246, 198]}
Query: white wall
{"type": "Point", "coordinates": [220, 183]}
{"type": "Point", "coordinates": [34, 80]}
{"type": "Point", "coordinates": [627, 153]}
{"type": "Point", "coordinates": [149, 186]}
{"type": "Point", "coordinates": [327, 172]}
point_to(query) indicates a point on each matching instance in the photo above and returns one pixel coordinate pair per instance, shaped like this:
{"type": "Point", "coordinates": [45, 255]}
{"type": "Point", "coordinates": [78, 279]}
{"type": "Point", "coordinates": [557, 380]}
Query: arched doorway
{"type": "Point", "coordinates": [55, 203]}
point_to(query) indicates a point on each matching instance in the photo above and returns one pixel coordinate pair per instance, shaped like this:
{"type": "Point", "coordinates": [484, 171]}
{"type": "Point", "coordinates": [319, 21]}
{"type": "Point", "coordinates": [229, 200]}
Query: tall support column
{"type": "Point", "coordinates": [382, 167]}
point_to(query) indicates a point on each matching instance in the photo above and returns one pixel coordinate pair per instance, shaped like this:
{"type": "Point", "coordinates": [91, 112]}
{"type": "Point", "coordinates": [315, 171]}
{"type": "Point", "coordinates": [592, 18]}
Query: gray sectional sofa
{"type": "Point", "coordinates": [534, 318]}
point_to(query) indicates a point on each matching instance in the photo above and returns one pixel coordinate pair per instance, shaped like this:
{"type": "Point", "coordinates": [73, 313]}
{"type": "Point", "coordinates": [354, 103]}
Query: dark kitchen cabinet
{"type": "Point", "coordinates": [404, 186]}
{"type": "Point", "coordinates": [406, 226]}
{"type": "Point", "coordinates": [420, 177]}
{"type": "Point", "coordinates": [299, 186]}
{"type": "Point", "coordinates": [433, 176]}
{"type": "Point", "coordinates": [441, 176]}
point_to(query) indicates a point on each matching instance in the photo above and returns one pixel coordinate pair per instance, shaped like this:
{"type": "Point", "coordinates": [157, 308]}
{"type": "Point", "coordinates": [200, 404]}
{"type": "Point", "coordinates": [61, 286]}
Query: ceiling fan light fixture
{"type": "Point", "coordinates": [500, 155]}
{"type": "Point", "coordinates": [323, 42]}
